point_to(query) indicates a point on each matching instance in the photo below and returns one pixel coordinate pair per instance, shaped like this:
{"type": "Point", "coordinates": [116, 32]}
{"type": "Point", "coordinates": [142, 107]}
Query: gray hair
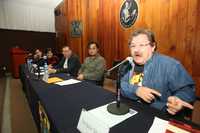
{"type": "Point", "coordinates": [150, 35]}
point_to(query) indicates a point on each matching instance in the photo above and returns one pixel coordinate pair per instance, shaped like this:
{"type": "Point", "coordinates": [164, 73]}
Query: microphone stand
{"type": "Point", "coordinates": [118, 108]}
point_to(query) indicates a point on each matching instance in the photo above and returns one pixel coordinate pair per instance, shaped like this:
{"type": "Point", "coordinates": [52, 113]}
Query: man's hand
{"type": "Point", "coordinates": [147, 94]}
{"type": "Point", "coordinates": [175, 104]}
{"type": "Point", "coordinates": [50, 66]}
{"type": "Point", "coordinates": [51, 70]}
{"type": "Point", "coordinates": [80, 77]}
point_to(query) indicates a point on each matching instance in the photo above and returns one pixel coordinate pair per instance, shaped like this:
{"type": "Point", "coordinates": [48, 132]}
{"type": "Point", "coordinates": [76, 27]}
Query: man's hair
{"type": "Point", "coordinates": [66, 46]}
{"type": "Point", "coordinates": [48, 50]}
{"type": "Point", "coordinates": [150, 35]}
{"type": "Point", "coordinates": [39, 49]}
{"type": "Point", "coordinates": [92, 42]}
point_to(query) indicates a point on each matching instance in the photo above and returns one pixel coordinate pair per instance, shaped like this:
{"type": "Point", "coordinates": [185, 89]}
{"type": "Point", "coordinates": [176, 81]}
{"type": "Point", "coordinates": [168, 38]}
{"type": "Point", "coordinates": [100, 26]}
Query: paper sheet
{"type": "Point", "coordinates": [88, 123]}
{"type": "Point", "coordinates": [158, 126]}
{"type": "Point", "coordinates": [68, 82]}
{"type": "Point", "coordinates": [110, 119]}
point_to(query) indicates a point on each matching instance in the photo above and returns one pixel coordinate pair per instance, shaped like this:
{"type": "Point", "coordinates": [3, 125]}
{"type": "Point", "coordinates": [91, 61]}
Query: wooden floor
{"type": "Point", "coordinates": [21, 118]}
{"type": "Point", "coordinates": [2, 89]}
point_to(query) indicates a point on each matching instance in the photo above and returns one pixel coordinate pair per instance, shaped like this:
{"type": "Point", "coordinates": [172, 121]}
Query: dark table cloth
{"type": "Point", "coordinates": [63, 104]}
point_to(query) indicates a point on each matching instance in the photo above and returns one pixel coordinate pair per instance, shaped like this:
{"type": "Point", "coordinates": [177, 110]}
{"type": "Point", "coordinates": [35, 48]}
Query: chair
{"type": "Point", "coordinates": [195, 113]}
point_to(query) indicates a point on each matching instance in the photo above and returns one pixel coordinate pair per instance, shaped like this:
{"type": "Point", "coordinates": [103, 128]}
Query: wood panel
{"type": "Point", "coordinates": [60, 26]}
{"type": "Point", "coordinates": [174, 22]}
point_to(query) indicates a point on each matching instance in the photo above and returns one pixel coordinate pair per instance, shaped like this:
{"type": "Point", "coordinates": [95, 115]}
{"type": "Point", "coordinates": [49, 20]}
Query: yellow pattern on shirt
{"type": "Point", "coordinates": [137, 79]}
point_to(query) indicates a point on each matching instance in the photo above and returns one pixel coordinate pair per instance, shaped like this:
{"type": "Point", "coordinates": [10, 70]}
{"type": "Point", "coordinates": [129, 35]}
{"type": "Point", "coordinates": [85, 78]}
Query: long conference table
{"type": "Point", "coordinates": [57, 108]}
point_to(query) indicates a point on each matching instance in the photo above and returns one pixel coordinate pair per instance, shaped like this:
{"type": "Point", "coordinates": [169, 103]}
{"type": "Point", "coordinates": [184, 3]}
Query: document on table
{"type": "Point", "coordinates": [162, 126]}
{"type": "Point", "coordinates": [68, 82]}
{"type": "Point", "coordinates": [110, 119]}
{"type": "Point", "coordinates": [158, 126]}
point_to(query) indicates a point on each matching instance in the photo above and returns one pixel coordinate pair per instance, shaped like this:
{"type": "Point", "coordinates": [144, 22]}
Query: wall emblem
{"type": "Point", "coordinates": [128, 13]}
{"type": "Point", "coordinates": [76, 28]}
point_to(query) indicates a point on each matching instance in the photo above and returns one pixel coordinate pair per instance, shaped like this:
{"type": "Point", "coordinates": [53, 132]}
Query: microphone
{"type": "Point", "coordinates": [118, 108]}
{"type": "Point", "coordinates": [44, 57]}
{"type": "Point", "coordinates": [128, 59]}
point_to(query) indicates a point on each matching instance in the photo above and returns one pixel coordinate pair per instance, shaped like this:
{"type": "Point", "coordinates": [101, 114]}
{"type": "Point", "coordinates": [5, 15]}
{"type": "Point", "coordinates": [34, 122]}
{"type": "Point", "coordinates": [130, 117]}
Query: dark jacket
{"type": "Point", "coordinates": [40, 62]}
{"type": "Point", "coordinates": [73, 65]}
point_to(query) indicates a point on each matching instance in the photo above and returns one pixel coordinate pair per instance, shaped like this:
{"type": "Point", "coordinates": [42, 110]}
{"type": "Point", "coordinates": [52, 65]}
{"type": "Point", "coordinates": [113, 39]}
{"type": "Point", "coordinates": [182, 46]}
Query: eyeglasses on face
{"type": "Point", "coordinates": [132, 45]}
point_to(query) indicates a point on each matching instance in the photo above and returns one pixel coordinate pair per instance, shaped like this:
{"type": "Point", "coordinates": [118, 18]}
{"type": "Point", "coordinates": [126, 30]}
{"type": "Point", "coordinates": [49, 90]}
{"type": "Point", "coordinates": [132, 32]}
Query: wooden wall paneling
{"type": "Point", "coordinates": [197, 81]}
{"type": "Point", "coordinates": [190, 35]}
{"type": "Point", "coordinates": [157, 22]}
{"type": "Point", "coordinates": [90, 17]}
{"type": "Point", "coordinates": [114, 30]}
{"type": "Point", "coordinates": [60, 26]}
{"type": "Point", "coordinates": [148, 13]}
{"type": "Point", "coordinates": [105, 13]}
{"type": "Point", "coordinates": [93, 7]}
{"type": "Point", "coordinates": [164, 26]}
{"type": "Point", "coordinates": [196, 47]}
{"type": "Point", "coordinates": [85, 22]}
{"type": "Point", "coordinates": [113, 35]}
{"type": "Point", "coordinates": [181, 30]}
{"type": "Point", "coordinates": [196, 51]}
{"type": "Point", "coordinates": [173, 13]}
{"type": "Point", "coordinates": [74, 13]}
{"type": "Point", "coordinates": [174, 22]}
{"type": "Point", "coordinates": [123, 37]}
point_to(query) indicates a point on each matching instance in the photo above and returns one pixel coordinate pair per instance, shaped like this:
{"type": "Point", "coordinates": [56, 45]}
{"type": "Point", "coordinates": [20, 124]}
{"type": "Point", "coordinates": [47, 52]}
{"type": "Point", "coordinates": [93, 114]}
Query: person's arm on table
{"type": "Point", "coordinates": [135, 91]}
{"type": "Point", "coordinates": [73, 66]}
{"type": "Point", "coordinates": [80, 75]}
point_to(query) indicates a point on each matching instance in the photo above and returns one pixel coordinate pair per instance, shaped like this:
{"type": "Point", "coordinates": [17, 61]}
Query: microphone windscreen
{"type": "Point", "coordinates": [45, 57]}
{"type": "Point", "coordinates": [130, 59]}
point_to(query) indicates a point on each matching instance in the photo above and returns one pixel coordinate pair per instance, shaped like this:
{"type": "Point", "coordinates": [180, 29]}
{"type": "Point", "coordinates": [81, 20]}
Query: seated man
{"type": "Point", "coordinates": [52, 60]}
{"type": "Point", "coordinates": [158, 80]}
{"type": "Point", "coordinates": [69, 63]}
{"type": "Point", "coordinates": [92, 70]}
{"type": "Point", "coordinates": [38, 57]}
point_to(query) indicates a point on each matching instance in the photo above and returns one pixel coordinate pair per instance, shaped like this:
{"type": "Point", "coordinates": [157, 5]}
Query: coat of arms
{"type": "Point", "coordinates": [128, 13]}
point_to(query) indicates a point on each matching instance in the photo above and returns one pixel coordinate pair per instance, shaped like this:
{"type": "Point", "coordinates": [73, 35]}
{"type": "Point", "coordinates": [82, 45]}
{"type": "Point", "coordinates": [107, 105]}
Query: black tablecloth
{"type": "Point", "coordinates": [63, 104]}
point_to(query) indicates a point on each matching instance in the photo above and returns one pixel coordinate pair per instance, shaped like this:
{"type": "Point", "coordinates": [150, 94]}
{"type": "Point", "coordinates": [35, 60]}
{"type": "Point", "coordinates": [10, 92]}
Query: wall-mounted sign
{"type": "Point", "coordinates": [128, 13]}
{"type": "Point", "coordinates": [76, 28]}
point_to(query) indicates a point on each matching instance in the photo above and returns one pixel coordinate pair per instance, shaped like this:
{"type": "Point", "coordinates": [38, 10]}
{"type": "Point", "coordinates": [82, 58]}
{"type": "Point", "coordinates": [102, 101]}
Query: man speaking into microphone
{"type": "Point", "coordinates": [158, 80]}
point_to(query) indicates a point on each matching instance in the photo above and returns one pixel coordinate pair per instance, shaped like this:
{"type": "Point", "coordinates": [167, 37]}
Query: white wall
{"type": "Point", "coordinates": [28, 15]}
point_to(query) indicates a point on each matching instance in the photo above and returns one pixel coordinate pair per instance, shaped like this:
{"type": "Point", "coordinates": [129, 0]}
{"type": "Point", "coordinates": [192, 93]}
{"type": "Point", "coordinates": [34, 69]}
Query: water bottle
{"type": "Point", "coordinates": [29, 64]}
{"type": "Point", "coordinates": [46, 74]}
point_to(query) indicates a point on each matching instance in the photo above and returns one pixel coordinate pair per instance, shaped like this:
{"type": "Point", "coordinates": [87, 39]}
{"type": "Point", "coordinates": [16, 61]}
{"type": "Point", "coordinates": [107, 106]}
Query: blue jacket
{"type": "Point", "coordinates": [164, 74]}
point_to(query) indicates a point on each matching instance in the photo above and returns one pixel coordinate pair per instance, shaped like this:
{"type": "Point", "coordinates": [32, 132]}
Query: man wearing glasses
{"type": "Point", "coordinates": [155, 79]}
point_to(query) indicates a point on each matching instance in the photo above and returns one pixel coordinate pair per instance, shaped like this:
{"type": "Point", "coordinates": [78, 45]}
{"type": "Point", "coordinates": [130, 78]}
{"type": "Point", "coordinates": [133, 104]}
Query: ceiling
{"type": "Point", "coordinates": [41, 3]}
